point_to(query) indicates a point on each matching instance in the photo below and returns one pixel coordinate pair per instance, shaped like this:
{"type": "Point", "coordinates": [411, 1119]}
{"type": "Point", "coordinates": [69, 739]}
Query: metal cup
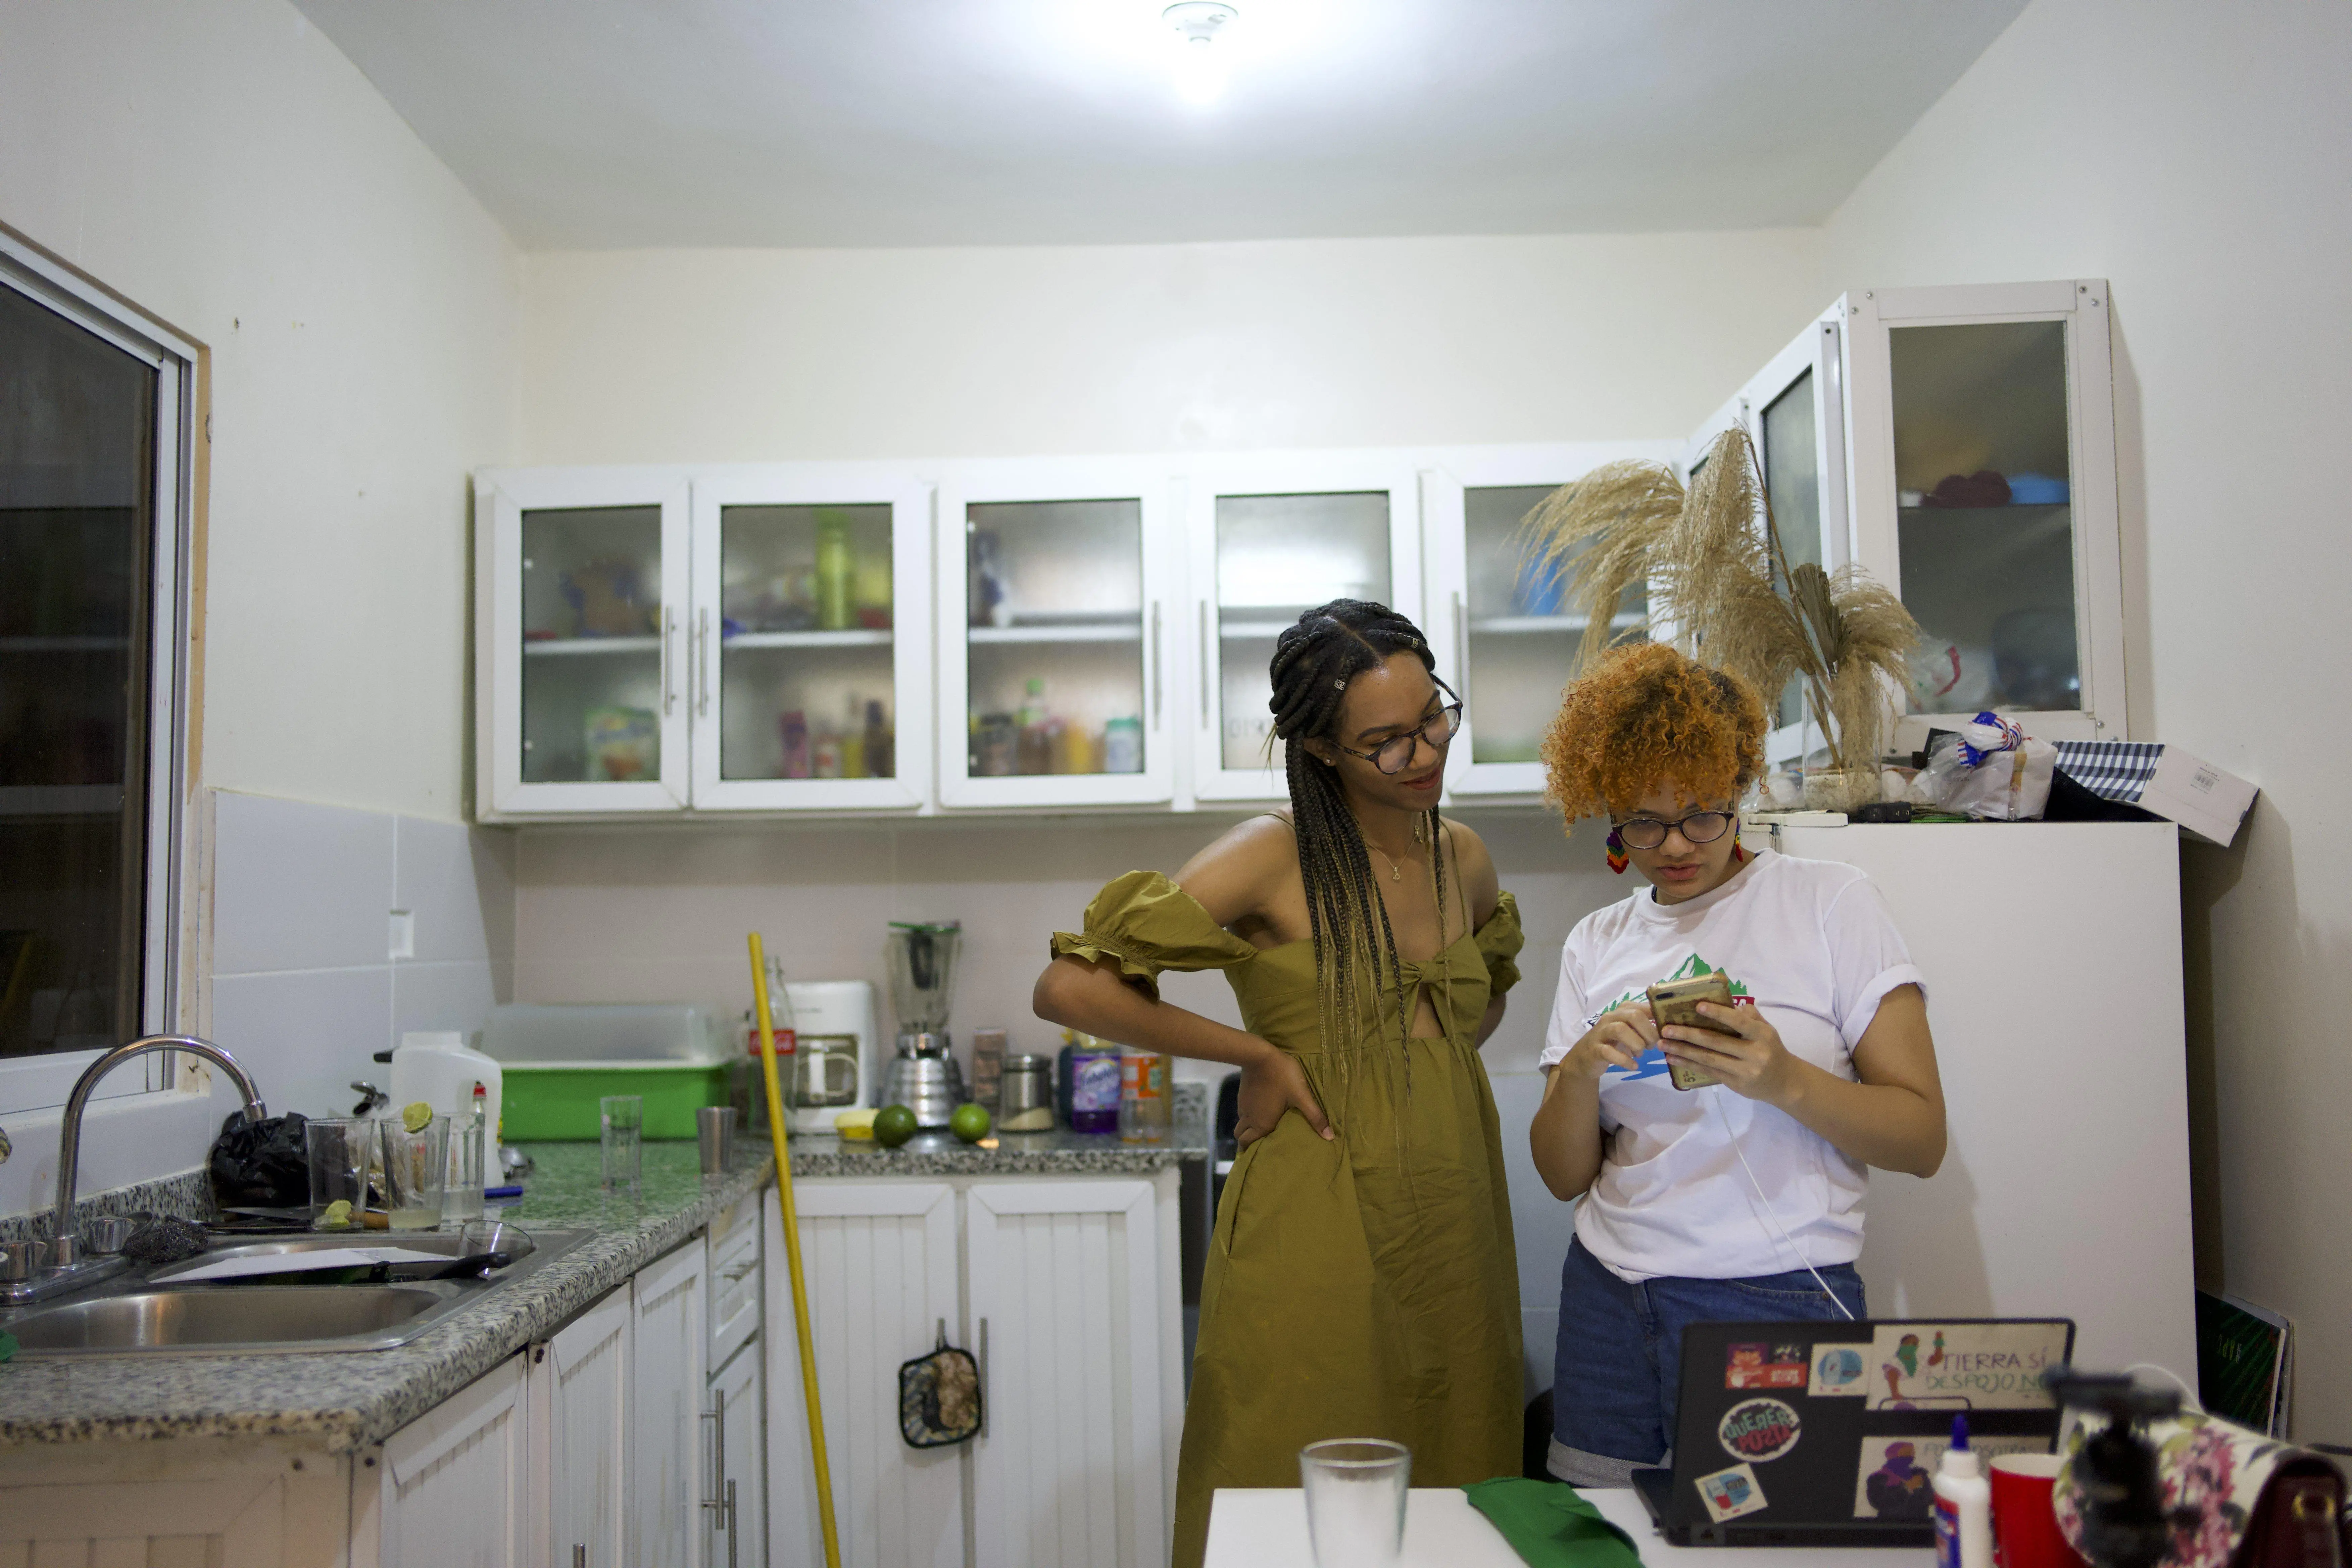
{"type": "Point", "coordinates": [714, 1133]}
{"type": "Point", "coordinates": [105, 1234]}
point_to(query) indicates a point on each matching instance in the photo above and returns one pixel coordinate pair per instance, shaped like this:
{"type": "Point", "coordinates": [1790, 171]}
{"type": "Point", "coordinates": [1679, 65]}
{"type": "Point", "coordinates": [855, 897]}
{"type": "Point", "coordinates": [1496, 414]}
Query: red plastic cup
{"type": "Point", "coordinates": [2024, 1525]}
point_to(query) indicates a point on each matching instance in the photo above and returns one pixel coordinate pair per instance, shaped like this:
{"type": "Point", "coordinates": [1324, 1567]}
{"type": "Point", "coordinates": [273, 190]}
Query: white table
{"type": "Point", "coordinates": [1266, 1528]}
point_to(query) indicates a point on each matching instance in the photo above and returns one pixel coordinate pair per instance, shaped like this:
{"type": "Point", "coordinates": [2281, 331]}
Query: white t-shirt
{"type": "Point", "coordinates": [1811, 942]}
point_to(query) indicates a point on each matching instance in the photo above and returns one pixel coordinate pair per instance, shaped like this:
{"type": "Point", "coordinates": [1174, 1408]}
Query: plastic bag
{"type": "Point", "coordinates": [261, 1164]}
{"type": "Point", "coordinates": [1993, 772]}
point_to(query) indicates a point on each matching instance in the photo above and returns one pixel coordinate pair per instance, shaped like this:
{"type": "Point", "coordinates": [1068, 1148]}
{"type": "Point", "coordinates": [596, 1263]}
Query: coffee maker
{"type": "Point", "coordinates": [920, 958]}
{"type": "Point", "coordinates": [833, 1063]}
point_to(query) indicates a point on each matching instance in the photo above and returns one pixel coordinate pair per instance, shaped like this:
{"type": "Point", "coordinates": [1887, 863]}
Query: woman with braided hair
{"type": "Point", "coordinates": [1362, 1282]}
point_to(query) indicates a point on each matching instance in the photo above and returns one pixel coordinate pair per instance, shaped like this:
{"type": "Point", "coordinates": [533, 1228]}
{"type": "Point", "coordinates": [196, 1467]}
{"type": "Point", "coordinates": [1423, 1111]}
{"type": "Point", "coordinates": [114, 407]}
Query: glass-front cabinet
{"type": "Point", "coordinates": [1269, 541]}
{"type": "Point", "coordinates": [582, 634]}
{"type": "Point", "coordinates": [1505, 628]}
{"type": "Point", "coordinates": [811, 639]}
{"type": "Point", "coordinates": [1054, 585]}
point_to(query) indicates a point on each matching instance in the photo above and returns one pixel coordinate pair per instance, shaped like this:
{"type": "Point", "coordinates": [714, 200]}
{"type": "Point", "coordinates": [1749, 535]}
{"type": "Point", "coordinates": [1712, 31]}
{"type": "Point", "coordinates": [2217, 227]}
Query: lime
{"type": "Point", "coordinates": [414, 1116]}
{"type": "Point", "coordinates": [970, 1121]}
{"type": "Point", "coordinates": [336, 1215]}
{"type": "Point", "coordinates": [893, 1125]}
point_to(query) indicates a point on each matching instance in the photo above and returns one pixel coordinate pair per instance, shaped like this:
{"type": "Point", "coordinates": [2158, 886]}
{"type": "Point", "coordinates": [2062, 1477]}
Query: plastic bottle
{"type": "Point", "coordinates": [835, 572]}
{"type": "Point", "coordinates": [1095, 1073]}
{"type": "Point", "coordinates": [1146, 1108]}
{"type": "Point", "coordinates": [881, 760]}
{"type": "Point", "coordinates": [1963, 1505]}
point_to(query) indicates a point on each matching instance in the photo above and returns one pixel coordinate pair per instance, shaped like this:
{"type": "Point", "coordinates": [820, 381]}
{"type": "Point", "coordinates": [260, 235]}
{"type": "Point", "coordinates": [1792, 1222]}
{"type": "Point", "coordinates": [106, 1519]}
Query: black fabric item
{"type": "Point", "coordinates": [1535, 1439]}
{"type": "Point", "coordinates": [2072, 802]}
{"type": "Point", "coordinates": [261, 1164]}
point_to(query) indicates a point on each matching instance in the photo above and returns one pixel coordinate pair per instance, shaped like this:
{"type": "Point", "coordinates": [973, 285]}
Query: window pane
{"type": "Point", "coordinates": [1278, 557]}
{"type": "Point", "coordinates": [1056, 630]}
{"type": "Point", "coordinates": [77, 487]}
{"type": "Point", "coordinates": [1985, 527]}
{"type": "Point", "coordinates": [805, 659]}
{"type": "Point", "coordinates": [592, 646]}
{"type": "Point", "coordinates": [1524, 631]}
{"type": "Point", "coordinates": [1792, 481]}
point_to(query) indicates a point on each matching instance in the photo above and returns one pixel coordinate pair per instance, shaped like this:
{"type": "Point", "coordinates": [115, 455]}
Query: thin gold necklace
{"type": "Point", "coordinates": [1396, 869]}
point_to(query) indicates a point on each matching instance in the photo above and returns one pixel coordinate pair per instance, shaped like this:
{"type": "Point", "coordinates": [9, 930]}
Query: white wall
{"type": "Point", "coordinates": [2195, 155]}
{"type": "Point", "coordinates": [227, 168]}
{"type": "Point", "coordinates": [662, 357]}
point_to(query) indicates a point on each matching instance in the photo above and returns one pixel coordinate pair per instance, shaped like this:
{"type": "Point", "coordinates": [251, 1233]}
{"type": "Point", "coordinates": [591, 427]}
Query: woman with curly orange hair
{"type": "Point", "coordinates": [1741, 1199]}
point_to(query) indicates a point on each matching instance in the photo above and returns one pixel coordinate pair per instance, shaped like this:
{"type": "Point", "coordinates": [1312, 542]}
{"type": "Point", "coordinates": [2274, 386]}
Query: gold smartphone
{"type": "Point", "coordinates": [1676, 1002]}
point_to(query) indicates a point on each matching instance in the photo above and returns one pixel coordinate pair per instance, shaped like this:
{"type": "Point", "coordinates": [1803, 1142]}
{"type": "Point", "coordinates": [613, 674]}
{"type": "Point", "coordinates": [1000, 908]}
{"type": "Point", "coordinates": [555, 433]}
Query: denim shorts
{"type": "Point", "coordinates": [1618, 1365]}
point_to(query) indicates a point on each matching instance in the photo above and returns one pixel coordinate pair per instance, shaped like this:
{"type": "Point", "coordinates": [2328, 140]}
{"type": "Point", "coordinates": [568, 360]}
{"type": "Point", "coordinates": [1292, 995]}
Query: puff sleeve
{"type": "Point", "coordinates": [1145, 923]}
{"type": "Point", "coordinates": [1499, 941]}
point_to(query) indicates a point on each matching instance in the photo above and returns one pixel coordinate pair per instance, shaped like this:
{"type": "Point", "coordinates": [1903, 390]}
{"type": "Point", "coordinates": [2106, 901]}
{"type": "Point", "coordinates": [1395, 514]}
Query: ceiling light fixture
{"type": "Point", "coordinates": [1200, 67]}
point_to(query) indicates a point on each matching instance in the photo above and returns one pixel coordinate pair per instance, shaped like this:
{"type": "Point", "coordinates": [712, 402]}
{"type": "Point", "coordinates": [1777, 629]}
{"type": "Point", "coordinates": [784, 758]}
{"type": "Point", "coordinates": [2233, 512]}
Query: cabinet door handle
{"type": "Point", "coordinates": [702, 665]}
{"type": "Point", "coordinates": [716, 1414]}
{"type": "Point", "coordinates": [668, 686]}
{"type": "Point", "coordinates": [1155, 664]}
{"type": "Point", "coordinates": [740, 1271]}
{"type": "Point", "coordinates": [733, 1534]}
{"type": "Point", "coordinates": [579, 1557]}
{"type": "Point", "coordinates": [1460, 643]}
{"type": "Point", "coordinates": [982, 1359]}
{"type": "Point", "coordinates": [1204, 663]}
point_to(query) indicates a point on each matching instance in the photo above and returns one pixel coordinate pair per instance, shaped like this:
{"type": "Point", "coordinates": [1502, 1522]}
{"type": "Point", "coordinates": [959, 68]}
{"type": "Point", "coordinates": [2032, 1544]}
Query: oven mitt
{"type": "Point", "coordinates": [1550, 1525]}
{"type": "Point", "coordinates": [939, 1398]}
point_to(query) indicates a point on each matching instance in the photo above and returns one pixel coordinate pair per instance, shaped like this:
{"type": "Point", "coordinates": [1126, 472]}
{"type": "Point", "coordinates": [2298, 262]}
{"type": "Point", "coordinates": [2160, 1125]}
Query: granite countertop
{"type": "Point", "coordinates": [349, 1400]}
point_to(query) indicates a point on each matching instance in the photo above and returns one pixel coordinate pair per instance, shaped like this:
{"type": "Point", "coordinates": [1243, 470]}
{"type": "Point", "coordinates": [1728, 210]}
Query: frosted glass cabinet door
{"type": "Point", "coordinates": [1984, 486]}
{"type": "Point", "coordinates": [583, 594]}
{"type": "Point", "coordinates": [1268, 542]}
{"type": "Point", "coordinates": [811, 638]}
{"type": "Point", "coordinates": [1506, 631]}
{"type": "Point", "coordinates": [1053, 629]}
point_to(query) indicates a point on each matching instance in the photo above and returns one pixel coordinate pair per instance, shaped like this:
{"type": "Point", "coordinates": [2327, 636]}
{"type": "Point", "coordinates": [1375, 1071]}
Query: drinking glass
{"type": "Point", "coordinates": [1355, 1500]}
{"type": "Point", "coordinates": [462, 1199]}
{"type": "Point", "coordinates": [337, 1150]}
{"type": "Point", "coordinates": [623, 1119]}
{"type": "Point", "coordinates": [477, 1236]}
{"type": "Point", "coordinates": [415, 1169]}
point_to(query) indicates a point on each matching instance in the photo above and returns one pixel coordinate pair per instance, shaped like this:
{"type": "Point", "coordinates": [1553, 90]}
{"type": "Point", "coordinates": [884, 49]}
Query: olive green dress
{"type": "Point", "coordinates": [1360, 1288]}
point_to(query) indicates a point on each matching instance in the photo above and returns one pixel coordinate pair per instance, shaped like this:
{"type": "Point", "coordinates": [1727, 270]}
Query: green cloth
{"type": "Point", "coordinates": [1360, 1288]}
{"type": "Point", "coordinates": [1550, 1525]}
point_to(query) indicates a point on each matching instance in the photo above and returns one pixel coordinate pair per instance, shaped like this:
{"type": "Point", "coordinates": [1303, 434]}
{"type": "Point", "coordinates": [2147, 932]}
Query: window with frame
{"type": "Point", "coordinates": [94, 467]}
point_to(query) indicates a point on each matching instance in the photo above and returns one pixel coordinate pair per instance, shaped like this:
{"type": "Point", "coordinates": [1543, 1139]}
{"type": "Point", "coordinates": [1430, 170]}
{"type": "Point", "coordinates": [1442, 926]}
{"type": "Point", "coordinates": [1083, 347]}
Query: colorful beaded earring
{"type": "Point", "coordinates": [1738, 855]}
{"type": "Point", "coordinates": [1617, 860]}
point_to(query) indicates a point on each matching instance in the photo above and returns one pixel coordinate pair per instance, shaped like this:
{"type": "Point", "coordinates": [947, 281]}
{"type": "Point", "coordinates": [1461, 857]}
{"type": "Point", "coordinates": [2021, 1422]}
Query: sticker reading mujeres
{"type": "Point", "coordinates": [1759, 1429]}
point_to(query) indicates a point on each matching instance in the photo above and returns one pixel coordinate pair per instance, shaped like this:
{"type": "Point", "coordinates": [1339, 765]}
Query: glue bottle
{"type": "Point", "coordinates": [1963, 1505]}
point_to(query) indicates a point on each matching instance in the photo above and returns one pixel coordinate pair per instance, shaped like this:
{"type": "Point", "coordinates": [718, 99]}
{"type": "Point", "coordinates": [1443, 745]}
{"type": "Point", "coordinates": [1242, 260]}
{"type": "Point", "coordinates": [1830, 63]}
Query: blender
{"type": "Point", "coordinates": [921, 959]}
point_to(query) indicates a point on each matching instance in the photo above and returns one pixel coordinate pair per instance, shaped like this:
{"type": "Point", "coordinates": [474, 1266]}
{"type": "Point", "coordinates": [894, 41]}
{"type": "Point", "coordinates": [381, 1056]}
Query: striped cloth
{"type": "Point", "coordinates": [2113, 769]}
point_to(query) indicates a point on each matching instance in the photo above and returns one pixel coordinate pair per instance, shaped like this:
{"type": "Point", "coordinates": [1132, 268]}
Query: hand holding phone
{"type": "Point", "coordinates": [1676, 1002]}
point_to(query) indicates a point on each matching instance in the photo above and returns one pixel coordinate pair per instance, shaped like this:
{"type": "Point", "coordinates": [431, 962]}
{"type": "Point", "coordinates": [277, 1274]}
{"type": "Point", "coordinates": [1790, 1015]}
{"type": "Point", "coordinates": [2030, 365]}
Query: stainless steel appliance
{"type": "Point", "coordinates": [921, 957]}
{"type": "Point", "coordinates": [1027, 1095]}
{"type": "Point", "coordinates": [925, 1079]}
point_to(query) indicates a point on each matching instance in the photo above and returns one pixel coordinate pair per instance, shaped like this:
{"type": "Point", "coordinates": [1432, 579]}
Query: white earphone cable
{"type": "Point", "coordinates": [1769, 1214]}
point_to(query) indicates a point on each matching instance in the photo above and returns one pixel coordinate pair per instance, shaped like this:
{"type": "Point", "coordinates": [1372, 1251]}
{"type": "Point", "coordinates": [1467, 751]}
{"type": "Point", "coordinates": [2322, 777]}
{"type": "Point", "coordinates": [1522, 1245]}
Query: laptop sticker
{"type": "Point", "coordinates": [1838, 1372]}
{"type": "Point", "coordinates": [1962, 1366]}
{"type": "Point", "coordinates": [1891, 1479]}
{"type": "Point", "coordinates": [1763, 1365]}
{"type": "Point", "coordinates": [1729, 1493]}
{"type": "Point", "coordinates": [1758, 1430]}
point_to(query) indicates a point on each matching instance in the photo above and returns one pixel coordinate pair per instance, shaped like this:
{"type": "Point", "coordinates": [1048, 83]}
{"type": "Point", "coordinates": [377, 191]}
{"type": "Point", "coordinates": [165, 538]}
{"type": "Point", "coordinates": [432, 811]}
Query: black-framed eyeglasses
{"type": "Point", "coordinates": [1392, 755]}
{"type": "Point", "coordinates": [1698, 827]}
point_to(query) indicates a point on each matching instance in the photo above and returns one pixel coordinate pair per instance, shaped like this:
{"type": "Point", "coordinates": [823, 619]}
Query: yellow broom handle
{"type": "Point", "coordinates": [792, 1255]}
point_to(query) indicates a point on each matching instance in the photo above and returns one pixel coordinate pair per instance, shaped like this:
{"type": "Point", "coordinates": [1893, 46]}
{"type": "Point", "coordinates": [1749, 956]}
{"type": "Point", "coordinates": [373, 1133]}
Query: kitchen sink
{"type": "Point", "coordinates": [143, 1313]}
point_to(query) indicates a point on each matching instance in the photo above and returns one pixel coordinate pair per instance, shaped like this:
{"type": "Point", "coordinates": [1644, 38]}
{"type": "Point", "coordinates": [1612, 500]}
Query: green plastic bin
{"type": "Point", "coordinates": [556, 1101]}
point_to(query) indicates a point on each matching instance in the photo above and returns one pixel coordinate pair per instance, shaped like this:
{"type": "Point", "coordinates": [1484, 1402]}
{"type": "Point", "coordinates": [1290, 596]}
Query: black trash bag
{"type": "Point", "coordinates": [261, 1164]}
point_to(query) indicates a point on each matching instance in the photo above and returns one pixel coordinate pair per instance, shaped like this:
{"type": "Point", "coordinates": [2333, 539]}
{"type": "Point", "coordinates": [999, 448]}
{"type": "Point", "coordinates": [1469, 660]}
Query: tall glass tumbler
{"type": "Point", "coordinates": [469, 1150]}
{"type": "Point", "coordinates": [1355, 1500]}
{"type": "Point", "coordinates": [622, 1117]}
{"type": "Point", "coordinates": [337, 1150]}
{"type": "Point", "coordinates": [415, 1172]}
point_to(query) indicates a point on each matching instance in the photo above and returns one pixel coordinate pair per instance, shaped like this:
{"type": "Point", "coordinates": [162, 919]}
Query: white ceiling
{"type": "Point", "coordinates": [614, 124]}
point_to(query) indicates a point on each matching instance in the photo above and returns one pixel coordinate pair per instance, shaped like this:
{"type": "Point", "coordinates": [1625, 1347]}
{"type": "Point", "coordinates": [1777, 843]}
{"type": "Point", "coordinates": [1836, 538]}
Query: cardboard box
{"type": "Point", "coordinates": [2166, 780]}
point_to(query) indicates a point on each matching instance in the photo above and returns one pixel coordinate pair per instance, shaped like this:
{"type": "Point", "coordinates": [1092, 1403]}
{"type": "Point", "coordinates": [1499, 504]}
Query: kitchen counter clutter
{"type": "Point", "coordinates": [349, 1400]}
{"type": "Point", "coordinates": [1059, 1152]}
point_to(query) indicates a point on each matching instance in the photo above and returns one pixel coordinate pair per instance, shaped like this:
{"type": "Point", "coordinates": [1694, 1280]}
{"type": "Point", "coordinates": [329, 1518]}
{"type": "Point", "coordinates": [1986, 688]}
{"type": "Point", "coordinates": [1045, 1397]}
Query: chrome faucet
{"type": "Point", "coordinates": [65, 1243]}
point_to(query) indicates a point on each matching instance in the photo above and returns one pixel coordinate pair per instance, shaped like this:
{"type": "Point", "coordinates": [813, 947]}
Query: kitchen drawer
{"type": "Point", "coordinates": [735, 1283]}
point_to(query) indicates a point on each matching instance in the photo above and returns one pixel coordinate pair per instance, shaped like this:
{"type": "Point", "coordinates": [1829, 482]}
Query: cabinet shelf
{"type": "Point", "coordinates": [557, 647]}
{"type": "Point", "coordinates": [855, 636]}
{"type": "Point", "coordinates": [1062, 632]}
{"type": "Point", "coordinates": [1519, 625]}
{"type": "Point", "coordinates": [64, 645]}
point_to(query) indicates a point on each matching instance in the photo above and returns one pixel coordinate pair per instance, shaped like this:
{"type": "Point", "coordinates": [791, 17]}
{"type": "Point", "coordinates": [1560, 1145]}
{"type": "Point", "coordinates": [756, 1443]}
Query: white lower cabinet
{"type": "Point", "coordinates": [1065, 1290]}
{"type": "Point", "coordinates": [454, 1487]}
{"type": "Point", "coordinates": [735, 1514]}
{"type": "Point", "coordinates": [581, 1433]}
{"type": "Point", "coordinates": [670, 1305]}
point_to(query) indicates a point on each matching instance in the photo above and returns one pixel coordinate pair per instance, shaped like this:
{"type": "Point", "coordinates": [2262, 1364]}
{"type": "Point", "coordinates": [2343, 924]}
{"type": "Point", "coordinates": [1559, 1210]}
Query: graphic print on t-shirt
{"type": "Point", "coordinates": [1652, 1063]}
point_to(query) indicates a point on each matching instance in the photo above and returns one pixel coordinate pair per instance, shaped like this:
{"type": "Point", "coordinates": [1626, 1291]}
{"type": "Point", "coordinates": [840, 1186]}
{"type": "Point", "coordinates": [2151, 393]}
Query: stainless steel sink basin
{"type": "Point", "coordinates": [243, 1316]}
{"type": "Point", "coordinates": [143, 1313]}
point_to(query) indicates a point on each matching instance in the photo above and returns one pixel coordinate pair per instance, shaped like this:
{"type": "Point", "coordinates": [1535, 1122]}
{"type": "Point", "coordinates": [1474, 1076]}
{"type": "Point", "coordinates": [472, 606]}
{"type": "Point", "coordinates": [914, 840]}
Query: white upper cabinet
{"type": "Point", "coordinates": [812, 638]}
{"type": "Point", "coordinates": [1056, 585]}
{"type": "Point", "coordinates": [1506, 631]}
{"type": "Point", "coordinates": [580, 631]}
{"type": "Point", "coordinates": [1959, 443]}
{"type": "Point", "coordinates": [1269, 538]}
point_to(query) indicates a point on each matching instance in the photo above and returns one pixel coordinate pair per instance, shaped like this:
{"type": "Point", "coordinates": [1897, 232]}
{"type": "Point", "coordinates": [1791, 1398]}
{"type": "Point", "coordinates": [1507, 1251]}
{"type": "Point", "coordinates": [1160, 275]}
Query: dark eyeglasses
{"type": "Point", "coordinates": [1392, 755]}
{"type": "Point", "coordinates": [1698, 827]}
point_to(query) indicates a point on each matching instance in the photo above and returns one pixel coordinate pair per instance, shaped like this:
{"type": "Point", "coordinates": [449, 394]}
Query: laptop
{"type": "Point", "coordinates": [1824, 1434]}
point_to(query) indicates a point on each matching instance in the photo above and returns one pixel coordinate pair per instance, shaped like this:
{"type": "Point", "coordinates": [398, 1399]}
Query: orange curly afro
{"type": "Point", "coordinates": [1648, 715]}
